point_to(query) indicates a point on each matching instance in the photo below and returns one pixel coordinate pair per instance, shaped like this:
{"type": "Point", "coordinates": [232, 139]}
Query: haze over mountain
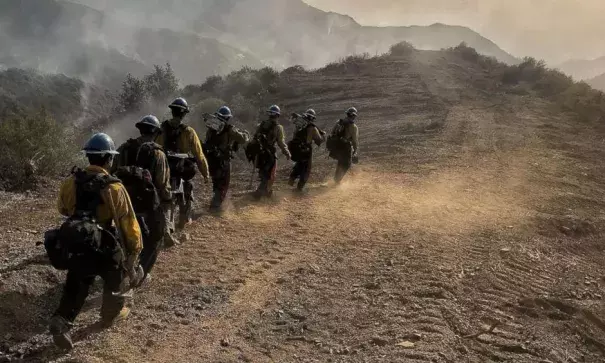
{"type": "Point", "coordinates": [555, 30]}
{"type": "Point", "coordinates": [64, 37]}
{"type": "Point", "coordinates": [598, 82]}
{"type": "Point", "coordinates": [583, 69]}
{"type": "Point", "coordinates": [287, 32]}
{"type": "Point", "coordinates": [101, 40]}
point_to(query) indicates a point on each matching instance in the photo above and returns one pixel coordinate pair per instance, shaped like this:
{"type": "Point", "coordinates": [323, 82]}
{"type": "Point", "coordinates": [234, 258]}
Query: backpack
{"type": "Point", "coordinates": [336, 143]}
{"type": "Point", "coordinates": [128, 156]}
{"type": "Point", "coordinates": [80, 235]}
{"type": "Point", "coordinates": [212, 146]}
{"type": "Point", "coordinates": [139, 185]}
{"type": "Point", "coordinates": [263, 143]}
{"type": "Point", "coordinates": [136, 176]}
{"type": "Point", "coordinates": [180, 167]}
{"type": "Point", "coordinates": [299, 148]}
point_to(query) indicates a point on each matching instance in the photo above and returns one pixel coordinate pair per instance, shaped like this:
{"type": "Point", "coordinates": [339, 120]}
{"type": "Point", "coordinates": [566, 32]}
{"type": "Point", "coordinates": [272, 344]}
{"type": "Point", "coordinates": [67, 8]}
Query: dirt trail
{"type": "Point", "coordinates": [474, 235]}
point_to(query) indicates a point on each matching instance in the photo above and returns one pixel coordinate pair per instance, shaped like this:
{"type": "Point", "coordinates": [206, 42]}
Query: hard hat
{"type": "Point", "coordinates": [100, 144]}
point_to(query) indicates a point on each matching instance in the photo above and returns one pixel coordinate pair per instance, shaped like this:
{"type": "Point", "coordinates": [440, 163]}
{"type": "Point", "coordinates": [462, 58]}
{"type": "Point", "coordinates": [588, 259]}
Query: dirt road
{"type": "Point", "coordinates": [471, 235]}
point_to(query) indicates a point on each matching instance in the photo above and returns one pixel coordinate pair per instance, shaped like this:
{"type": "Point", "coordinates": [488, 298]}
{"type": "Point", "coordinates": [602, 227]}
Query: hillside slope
{"type": "Point", "coordinates": [471, 231]}
{"type": "Point", "coordinates": [64, 37]}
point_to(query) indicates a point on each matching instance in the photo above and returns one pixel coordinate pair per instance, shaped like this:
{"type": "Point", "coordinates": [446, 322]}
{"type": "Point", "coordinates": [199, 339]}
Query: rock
{"type": "Point", "coordinates": [186, 237]}
{"type": "Point", "coordinates": [225, 342]}
{"type": "Point", "coordinates": [180, 314]}
{"type": "Point", "coordinates": [505, 250]}
{"type": "Point", "coordinates": [297, 316]}
{"type": "Point", "coordinates": [406, 344]}
{"type": "Point", "coordinates": [381, 342]}
{"type": "Point", "coordinates": [372, 285]}
{"type": "Point", "coordinates": [150, 343]}
{"type": "Point", "coordinates": [314, 268]}
{"type": "Point", "coordinates": [413, 337]}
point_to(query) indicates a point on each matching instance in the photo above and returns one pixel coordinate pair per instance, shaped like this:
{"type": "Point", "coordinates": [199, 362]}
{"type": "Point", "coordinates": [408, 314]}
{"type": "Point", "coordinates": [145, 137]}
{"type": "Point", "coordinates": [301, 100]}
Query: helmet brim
{"type": "Point", "coordinates": [97, 152]}
{"type": "Point", "coordinates": [139, 124]}
{"type": "Point", "coordinates": [183, 108]}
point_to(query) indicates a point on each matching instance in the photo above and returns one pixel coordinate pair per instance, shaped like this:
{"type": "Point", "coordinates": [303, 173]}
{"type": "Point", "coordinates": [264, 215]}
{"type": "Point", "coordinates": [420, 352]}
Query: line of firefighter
{"type": "Point", "coordinates": [116, 224]}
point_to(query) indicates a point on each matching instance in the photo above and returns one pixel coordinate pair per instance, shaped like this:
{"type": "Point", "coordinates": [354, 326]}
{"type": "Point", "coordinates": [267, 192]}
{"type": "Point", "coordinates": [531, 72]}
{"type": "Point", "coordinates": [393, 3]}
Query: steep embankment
{"type": "Point", "coordinates": [470, 232]}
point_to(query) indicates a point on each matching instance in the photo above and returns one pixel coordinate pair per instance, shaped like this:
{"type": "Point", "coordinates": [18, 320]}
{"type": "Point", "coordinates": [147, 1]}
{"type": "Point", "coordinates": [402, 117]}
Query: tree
{"type": "Point", "coordinates": [161, 84]}
{"type": "Point", "coordinates": [133, 95]}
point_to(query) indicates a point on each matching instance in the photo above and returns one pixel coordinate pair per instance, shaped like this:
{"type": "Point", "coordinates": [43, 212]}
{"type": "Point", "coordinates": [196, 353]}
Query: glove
{"type": "Point", "coordinates": [134, 270]}
{"type": "Point", "coordinates": [136, 276]}
{"type": "Point", "coordinates": [322, 132]}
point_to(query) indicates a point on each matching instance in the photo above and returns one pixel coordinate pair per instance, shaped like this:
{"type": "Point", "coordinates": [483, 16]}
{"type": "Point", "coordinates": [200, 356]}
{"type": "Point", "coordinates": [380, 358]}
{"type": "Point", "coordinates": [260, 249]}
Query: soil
{"type": "Point", "coordinates": [470, 232]}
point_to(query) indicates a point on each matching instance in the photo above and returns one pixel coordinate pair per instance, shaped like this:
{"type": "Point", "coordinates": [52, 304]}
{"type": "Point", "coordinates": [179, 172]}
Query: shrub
{"type": "Point", "coordinates": [133, 95]}
{"type": "Point", "coordinates": [33, 145]}
{"type": "Point", "coordinates": [161, 84]}
{"type": "Point", "coordinates": [533, 76]}
{"type": "Point", "coordinates": [402, 49]}
{"type": "Point", "coordinates": [466, 52]}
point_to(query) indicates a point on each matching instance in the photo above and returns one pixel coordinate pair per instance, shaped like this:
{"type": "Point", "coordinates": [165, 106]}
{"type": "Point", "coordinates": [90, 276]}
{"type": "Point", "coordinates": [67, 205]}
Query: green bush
{"type": "Point", "coordinates": [34, 146]}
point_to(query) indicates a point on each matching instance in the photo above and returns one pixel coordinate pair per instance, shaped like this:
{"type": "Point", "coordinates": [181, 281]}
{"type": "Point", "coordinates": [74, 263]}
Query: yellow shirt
{"type": "Point", "coordinates": [116, 207]}
{"type": "Point", "coordinates": [313, 135]}
{"type": "Point", "coordinates": [189, 143]}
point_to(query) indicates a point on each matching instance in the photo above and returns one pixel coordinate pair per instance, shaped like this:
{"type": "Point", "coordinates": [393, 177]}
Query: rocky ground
{"type": "Point", "coordinates": [470, 232]}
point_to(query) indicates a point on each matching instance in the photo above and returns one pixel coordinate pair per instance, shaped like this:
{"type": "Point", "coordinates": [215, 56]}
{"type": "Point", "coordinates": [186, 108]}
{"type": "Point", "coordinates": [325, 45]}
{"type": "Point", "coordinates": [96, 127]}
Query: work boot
{"type": "Point", "coordinates": [59, 329]}
{"type": "Point", "coordinates": [145, 281]}
{"type": "Point", "coordinates": [122, 315]}
{"type": "Point", "coordinates": [183, 223]}
{"type": "Point", "coordinates": [170, 241]}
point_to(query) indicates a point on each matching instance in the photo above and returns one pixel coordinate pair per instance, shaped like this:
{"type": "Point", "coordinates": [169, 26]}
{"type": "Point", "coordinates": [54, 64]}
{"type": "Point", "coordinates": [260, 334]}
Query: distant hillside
{"type": "Point", "coordinates": [289, 32]}
{"type": "Point", "coordinates": [65, 99]}
{"type": "Point", "coordinates": [80, 41]}
{"type": "Point", "coordinates": [598, 82]}
{"type": "Point", "coordinates": [582, 69]}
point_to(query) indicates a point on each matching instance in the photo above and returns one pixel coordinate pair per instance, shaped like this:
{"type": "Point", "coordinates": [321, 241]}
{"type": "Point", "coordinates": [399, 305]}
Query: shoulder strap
{"type": "Point", "coordinates": [88, 191]}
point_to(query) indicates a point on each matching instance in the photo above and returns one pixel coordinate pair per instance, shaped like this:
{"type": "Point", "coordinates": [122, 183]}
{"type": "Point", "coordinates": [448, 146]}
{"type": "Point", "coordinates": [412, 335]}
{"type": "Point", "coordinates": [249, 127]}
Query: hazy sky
{"type": "Point", "coordinates": [551, 29]}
